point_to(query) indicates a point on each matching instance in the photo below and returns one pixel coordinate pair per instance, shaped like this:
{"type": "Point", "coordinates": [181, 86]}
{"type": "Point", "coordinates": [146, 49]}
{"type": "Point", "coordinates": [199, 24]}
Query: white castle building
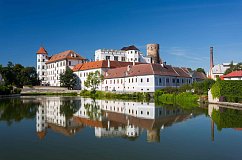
{"type": "Point", "coordinates": [50, 68]}
{"type": "Point", "coordinates": [126, 54]}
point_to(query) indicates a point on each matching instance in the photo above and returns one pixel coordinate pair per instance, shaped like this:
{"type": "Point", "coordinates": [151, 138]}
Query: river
{"type": "Point", "coordinates": [49, 127]}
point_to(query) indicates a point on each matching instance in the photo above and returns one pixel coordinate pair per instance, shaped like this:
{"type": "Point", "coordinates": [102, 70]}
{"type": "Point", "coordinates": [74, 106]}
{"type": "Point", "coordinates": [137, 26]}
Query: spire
{"type": "Point", "coordinates": [41, 51]}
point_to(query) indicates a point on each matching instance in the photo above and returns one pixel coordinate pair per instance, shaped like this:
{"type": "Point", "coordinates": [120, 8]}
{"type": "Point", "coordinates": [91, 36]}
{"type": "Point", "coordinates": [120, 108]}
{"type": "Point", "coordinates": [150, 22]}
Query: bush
{"type": "Point", "coordinates": [231, 90]}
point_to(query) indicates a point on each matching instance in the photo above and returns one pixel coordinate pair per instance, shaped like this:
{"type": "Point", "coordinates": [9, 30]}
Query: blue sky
{"type": "Point", "coordinates": [185, 29]}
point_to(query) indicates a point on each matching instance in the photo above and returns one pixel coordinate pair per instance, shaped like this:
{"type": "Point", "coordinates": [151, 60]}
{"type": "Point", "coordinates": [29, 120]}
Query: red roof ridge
{"type": "Point", "coordinates": [41, 51]}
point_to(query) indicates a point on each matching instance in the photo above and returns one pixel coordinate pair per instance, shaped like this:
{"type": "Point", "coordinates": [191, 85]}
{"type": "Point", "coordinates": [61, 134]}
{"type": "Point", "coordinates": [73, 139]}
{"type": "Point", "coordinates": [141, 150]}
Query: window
{"type": "Point", "coordinates": [38, 60]}
{"type": "Point", "coordinates": [43, 60]}
{"type": "Point", "coordinates": [148, 112]}
{"type": "Point", "coordinates": [38, 66]}
{"type": "Point", "coordinates": [141, 80]}
{"type": "Point", "coordinates": [123, 58]}
{"type": "Point", "coordinates": [173, 80]}
{"type": "Point", "coordinates": [136, 79]}
{"type": "Point", "coordinates": [167, 80]}
{"type": "Point", "coordinates": [177, 80]}
{"type": "Point", "coordinates": [116, 58]}
{"type": "Point", "coordinates": [141, 112]}
{"type": "Point", "coordinates": [107, 57]}
{"type": "Point", "coordinates": [69, 63]}
{"type": "Point", "coordinates": [148, 79]}
{"type": "Point", "coordinates": [43, 67]}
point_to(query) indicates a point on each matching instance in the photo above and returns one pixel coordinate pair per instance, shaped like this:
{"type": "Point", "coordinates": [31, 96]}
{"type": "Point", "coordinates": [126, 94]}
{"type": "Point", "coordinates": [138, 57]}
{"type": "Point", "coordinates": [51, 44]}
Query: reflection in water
{"type": "Point", "coordinates": [108, 118]}
{"type": "Point", "coordinates": [224, 117]}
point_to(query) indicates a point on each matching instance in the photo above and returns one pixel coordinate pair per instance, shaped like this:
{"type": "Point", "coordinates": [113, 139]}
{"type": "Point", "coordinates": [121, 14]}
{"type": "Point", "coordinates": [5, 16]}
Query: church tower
{"type": "Point", "coordinates": [42, 57]}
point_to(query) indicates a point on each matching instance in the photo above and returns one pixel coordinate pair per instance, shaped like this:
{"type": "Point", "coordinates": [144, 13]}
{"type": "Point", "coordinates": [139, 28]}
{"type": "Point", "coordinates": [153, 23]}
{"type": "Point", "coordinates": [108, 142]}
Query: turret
{"type": "Point", "coordinates": [42, 57]}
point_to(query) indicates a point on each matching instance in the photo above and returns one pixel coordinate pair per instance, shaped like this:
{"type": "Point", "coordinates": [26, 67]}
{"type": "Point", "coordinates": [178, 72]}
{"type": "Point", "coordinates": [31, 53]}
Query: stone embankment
{"type": "Point", "coordinates": [47, 90]}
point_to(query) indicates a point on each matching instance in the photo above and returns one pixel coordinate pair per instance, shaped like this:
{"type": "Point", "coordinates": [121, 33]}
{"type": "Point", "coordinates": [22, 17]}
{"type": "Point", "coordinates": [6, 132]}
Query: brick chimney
{"type": "Point", "coordinates": [211, 58]}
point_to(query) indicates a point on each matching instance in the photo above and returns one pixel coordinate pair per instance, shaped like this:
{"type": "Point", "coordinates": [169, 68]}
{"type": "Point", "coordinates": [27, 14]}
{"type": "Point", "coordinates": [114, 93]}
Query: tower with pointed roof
{"type": "Point", "coordinates": [42, 57]}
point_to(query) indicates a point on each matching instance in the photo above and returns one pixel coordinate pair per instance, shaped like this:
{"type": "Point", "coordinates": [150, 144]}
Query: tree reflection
{"type": "Point", "coordinates": [15, 110]}
{"type": "Point", "coordinates": [227, 118]}
{"type": "Point", "coordinates": [93, 110]}
{"type": "Point", "coordinates": [68, 108]}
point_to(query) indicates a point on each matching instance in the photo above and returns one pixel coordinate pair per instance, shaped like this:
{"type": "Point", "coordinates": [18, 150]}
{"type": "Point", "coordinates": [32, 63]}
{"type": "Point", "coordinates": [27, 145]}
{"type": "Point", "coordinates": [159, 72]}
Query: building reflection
{"type": "Point", "coordinates": [108, 118]}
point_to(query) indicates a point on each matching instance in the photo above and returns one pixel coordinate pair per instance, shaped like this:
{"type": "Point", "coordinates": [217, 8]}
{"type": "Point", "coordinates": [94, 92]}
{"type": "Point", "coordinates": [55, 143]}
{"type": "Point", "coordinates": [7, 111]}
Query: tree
{"type": "Point", "coordinates": [233, 67]}
{"type": "Point", "coordinates": [68, 79]}
{"type": "Point", "coordinates": [201, 70]}
{"type": "Point", "coordinates": [93, 80]}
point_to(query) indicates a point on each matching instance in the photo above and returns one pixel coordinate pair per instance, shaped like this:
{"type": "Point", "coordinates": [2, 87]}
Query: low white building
{"type": "Point", "coordinates": [126, 54]}
{"type": "Point", "coordinates": [102, 66]}
{"type": "Point", "coordinates": [144, 78]}
{"type": "Point", "coordinates": [235, 75]}
{"type": "Point", "coordinates": [135, 77]}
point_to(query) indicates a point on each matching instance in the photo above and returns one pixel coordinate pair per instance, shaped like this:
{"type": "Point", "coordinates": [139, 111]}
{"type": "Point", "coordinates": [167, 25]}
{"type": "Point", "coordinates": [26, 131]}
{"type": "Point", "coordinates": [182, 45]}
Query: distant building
{"type": "Point", "coordinates": [50, 68]}
{"type": "Point", "coordinates": [235, 75]}
{"type": "Point", "coordinates": [216, 71]}
{"type": "Point", "coordinates": [126, 54]}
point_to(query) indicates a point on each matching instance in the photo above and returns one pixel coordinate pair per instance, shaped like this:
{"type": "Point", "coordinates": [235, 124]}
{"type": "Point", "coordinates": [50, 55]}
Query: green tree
{"type": "Point", "coordinates": [233, 67]}
{"type": "Point", "coordinates": [93, 80]}
{"type": "Point", "coordinates": [68, 79]}
{"type": "Point", "coordinates": [201, 70]}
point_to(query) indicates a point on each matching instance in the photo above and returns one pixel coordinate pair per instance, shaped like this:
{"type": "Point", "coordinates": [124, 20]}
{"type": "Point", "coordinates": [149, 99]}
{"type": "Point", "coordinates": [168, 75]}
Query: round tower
{"type": "Point", "coordinates": [153, 52]}
{"type": "Point", "coordinates": [42, 57]}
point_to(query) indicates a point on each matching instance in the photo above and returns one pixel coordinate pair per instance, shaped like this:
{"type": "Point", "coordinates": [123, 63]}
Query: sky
{"type": "Point", "coordinates": [185, 29]}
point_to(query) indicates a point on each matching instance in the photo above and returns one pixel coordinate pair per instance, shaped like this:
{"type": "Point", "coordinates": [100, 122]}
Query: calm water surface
{"type": "Point", "coordinates": [81, 128]}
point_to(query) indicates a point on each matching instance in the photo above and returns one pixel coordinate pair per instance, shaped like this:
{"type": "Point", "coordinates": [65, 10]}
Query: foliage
{"type": "Point", "coordinates": [68, 108]}
{"type": "Point", "coordinates": [201, 70]}
{"type": "Point", "coordinates": [184, 99]}
{"type": "Point", "coordinates": [68, 79]}
{"type": "Point", "coordinates": [227, 118]}
{"type": "Point", "coordinates": [16, 110]}
{"type": "Point", "coordinates": [231, 90]}
{"type": "Point", "coordinates": [233, 67]}
{"type": "Point", "coordinates": [93, 111]}
{"type": "Point", "coordinates": [93, 80]}
{"type": "Point", "coordinates": [203, 86]}
{"type": "Point", "coordinates": [18, 75]}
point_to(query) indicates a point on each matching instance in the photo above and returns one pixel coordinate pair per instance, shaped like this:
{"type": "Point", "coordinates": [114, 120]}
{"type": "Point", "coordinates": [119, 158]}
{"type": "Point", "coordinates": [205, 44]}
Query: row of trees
{"type": "Point", "coordinates": [18, 75]}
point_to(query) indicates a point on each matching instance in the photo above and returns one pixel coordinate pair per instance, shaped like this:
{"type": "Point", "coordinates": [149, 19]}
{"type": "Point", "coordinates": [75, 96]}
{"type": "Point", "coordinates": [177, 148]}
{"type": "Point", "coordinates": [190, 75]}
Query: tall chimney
{"type": "Point", "coordinates": [211, 58]}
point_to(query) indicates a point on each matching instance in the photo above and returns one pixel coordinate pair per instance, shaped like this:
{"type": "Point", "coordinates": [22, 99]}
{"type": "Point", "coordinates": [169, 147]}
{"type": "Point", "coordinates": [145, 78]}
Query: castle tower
{"type": "Point", "coordinates": [153, 52]}
{"type": "Point", "coordinates": [42, 57]}
{"type": "Point", "coordinates": [41, 124]}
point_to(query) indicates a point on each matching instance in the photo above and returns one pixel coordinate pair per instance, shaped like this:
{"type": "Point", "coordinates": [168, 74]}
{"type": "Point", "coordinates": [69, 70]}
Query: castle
{"type": "Point", "coordinates": [124, 70]}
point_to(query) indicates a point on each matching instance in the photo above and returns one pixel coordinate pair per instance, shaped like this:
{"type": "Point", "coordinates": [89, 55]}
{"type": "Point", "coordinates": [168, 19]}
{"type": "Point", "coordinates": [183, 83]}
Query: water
{"type": "Point", "coordinates": [81, 128]}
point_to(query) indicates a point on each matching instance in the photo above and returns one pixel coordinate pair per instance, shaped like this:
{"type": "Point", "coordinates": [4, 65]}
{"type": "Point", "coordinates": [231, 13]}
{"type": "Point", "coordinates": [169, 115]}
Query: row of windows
{"type": "Point", "coordinates": [130, 80]}
{"type": "Point", "coordinates": [57, 64]}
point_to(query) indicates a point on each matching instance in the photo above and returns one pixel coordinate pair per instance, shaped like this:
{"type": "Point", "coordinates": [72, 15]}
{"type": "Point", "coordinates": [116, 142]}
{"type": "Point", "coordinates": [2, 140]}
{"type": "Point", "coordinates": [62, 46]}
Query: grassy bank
{"type": "Point", "coordinates": [49, 94]}
{"type": "Point", "coordinates": [109, 95]}
{"type": "Point", "coordinates": [182, 99]}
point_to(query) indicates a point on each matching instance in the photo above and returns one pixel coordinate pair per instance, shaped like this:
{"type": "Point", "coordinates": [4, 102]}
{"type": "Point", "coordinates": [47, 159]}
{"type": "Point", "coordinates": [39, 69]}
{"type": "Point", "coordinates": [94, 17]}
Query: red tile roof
{"type": "Point", "coordinates": [233, 74]}
{"type": "Point", "coordinates": [101, 64]}
{"type": "Point", "coordinates": [69, 54]}
{"type": "Point", "coordinates": [182, 72]}
{"type": "Point", "coordinates": [146, 69]}
{"type": "Point", "coordinates": [41, 51]}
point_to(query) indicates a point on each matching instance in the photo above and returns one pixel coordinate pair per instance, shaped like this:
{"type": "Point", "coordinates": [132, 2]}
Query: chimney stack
{"type": "Point", "coordinates": [211, 58]}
